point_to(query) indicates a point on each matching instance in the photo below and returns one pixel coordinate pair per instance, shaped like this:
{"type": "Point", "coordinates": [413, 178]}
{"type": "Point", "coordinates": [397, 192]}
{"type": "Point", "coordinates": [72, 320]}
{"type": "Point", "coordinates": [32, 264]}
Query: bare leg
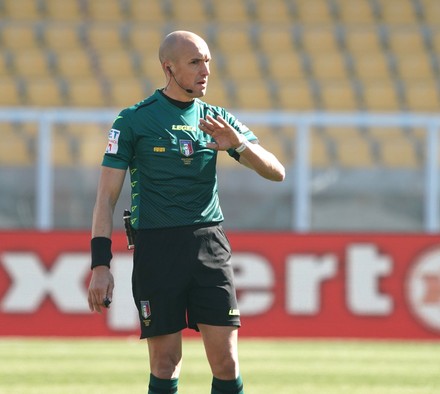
{"type": "Point", "coordinates": [221, 350]}
{"type": "Point", "coordinates": [165, 354]}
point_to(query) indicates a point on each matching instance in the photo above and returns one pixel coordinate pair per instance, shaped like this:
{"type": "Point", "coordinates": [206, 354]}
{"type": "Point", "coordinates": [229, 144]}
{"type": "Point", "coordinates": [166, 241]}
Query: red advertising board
{"type": "Point", "coordinates": [320, 285]}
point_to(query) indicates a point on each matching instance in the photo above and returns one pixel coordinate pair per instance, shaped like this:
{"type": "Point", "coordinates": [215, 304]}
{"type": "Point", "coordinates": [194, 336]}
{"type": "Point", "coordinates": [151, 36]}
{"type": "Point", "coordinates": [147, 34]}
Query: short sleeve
{"type": "Point", "coordinates": [240, 127]}
{"type": "Point", "coordinates": [120, 147]}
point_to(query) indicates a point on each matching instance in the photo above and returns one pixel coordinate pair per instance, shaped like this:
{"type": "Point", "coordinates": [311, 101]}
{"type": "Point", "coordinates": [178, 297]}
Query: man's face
{"type": "Point", "coordinates": [192, 67]}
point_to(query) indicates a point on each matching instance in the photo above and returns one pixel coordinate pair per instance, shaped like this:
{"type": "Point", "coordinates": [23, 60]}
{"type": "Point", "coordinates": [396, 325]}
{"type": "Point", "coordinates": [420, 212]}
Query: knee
{"type": "Point", "coordinates": [165, 355]}
{"type": "Point", "coordinates": [225, 367]}
{"type": "Point", "coordinates": [166, 366]}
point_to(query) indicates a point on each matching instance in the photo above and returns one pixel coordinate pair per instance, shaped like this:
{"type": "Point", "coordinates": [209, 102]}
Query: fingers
{"type": "Point", "coordinates": [212, 145]}
{"type": "Point", "coordinates": [209, 125]}
{"type": "Point", "coordinates": [100, 290]}
{"type": "Point", "coordinates": [94, 303]}
{"type": "Point", "coordinates": [97, 302]}
{"type": "Point", "coordinates": [206, 126]}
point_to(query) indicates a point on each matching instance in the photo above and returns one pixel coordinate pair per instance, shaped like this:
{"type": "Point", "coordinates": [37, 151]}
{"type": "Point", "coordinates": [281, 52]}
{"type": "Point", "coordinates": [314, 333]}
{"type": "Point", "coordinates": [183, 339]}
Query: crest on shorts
{"type": "Point", "coordinates": [145, 309]}
{"type": "Point", "coordinates": [186, 147]}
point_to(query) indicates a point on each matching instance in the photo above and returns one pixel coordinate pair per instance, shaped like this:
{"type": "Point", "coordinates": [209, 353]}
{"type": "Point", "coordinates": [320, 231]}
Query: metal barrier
{"type": "Point", "coordinates": [302, 122]}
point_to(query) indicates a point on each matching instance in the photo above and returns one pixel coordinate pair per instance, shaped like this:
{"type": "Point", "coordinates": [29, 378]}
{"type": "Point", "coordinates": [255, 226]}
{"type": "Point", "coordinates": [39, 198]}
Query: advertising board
{"type": "Point", "coordinates": [289, 285]}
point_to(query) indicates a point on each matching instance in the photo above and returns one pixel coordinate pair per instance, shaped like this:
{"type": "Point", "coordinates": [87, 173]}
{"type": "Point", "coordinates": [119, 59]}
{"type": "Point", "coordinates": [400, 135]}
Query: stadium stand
{"type": "Point", "coordinates": [63, 11]}
{"type": "Point", "coordinates": [266, 14]}
{"type": "Point", "coordinates": [334, 55]}
{"type": "Point", "coordinates": [44, 91]}
{"type": "Point", "coordinates": [147, 12]}
{"type": "Point", "coordinates": [62, 37]}
{"type": "Point", "coordinates": [11, 91]}
{"type": "Point", "coordinates": [23, 10]}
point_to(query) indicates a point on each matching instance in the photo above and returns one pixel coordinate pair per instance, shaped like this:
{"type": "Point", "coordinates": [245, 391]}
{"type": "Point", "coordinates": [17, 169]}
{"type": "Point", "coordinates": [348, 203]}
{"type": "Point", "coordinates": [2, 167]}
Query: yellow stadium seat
{"type": "Point", "coordinates": [313, 11]}
{"type": "Point", "coordinates": [105, 10]}
{"type": "Point", "coordinates": [32, 63]}
{"type": "Point", "coordinates": [422, 96]}
{"type": "Point", "coordinates": [62, 154]}
{"type": "Point", "coordinates": [214, 70]}
{"type": "Point", "coordinates": [86, 92]}
{"type": "Point", "coordinates": [189, 10]}
{"type": "Point", "coordinates": [62, 36]}
{"type": "Point", "coordinates": [230, 11]}
{"type": "Point", "coordinates": [17, 36]}
{"type": "Point", "coordinates": [152, 69]}
{"type": "Point", "coordinates": [23, 10]}
{"type": "Point", "coordinates": [398, 154]}
{"type": "Point", "coordinates": [418, 135]}
{"type": "Point", "coordinates": [355, 12]}
{"type": "Point", "coordinates": [14, 150]}
{"type": "Point", "coordinates": [10, 92]}
{"type": "Point", "coordinates": [29, 130]}
{"type": "Point", "coordinates": [380, 134]}
{"type": "Point", "coordinates": [74, 63]}
{"type": "Point", "coordinates": [431, 11]}
{"type": "Point", "coordinates": [295, 96]}
{"type": "Point", "coordinates": [275, 40]}
{"type": "Point", "coordinates": [147, 11]}
{"type": "Point", "coordinates": [338, 95]}
{"type": "Point", "coordinates": [145, 39]}
{"type": "Point", "coordinates": [233, 38]}
{"type": "Point", "coordinates": [341, 133]}
{"type": "Point", "coordinates": [253, 95]}
{"type": "Point", "coordinates": [406, 40]}
{"type": "Point", "coordinates": [116, 64]}
{"type": "Point", "coordinates": [354, 153]}
{"type": "Point", "coordinates": [362, 39]}
{"type": "Point", "coordinates": [319, 39]}
{"type": "Point", "coordinates": [397, 12]}
{"type": "Point", "coordinates": [66, 10]}
{"type": "Point", "coordinates": [127, 91]}
{"type": "Point", "coordinates": [4, 68]}
{"type": "Point", "coordinates": [44, 92]}
{"type": "Point", "coordinates": [415, 68]}
{"type": "Point", "coordinates": [352, 148]}
{"type": "Point", "coordinates": [285, 66]}
{"type": "Point", "coordinates": [435, 37]}
{"type": "Point", "coordinates": [217, 93]}
{"type": "Point", "coordinates": [319, 155]}
{"type": "Point", "coordinates": [371, 67]}
{"type": "Point", "coordinates": [380, 95]}
{"type": "Point", "coordinates": [328, 66]}
{"type": "Point", "coordinates": [243, 66]}
{"type": "Point", "coordinates": [92, 149]}
{"type": "Point", "coordinates": [271, 141]}
{"type": "Point", "coordinates": [105, 37]}
{"type": "Point", "coordinates": [276, 12]}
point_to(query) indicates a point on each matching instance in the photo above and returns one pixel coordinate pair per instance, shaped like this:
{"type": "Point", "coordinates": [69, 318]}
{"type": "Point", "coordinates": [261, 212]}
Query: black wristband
{"type": "Point", "coordinates": [101, 251]}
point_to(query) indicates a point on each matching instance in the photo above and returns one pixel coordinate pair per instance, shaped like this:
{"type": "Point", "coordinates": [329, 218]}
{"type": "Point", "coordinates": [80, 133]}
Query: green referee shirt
{"type": "Point", "coordinates": [173, 174]}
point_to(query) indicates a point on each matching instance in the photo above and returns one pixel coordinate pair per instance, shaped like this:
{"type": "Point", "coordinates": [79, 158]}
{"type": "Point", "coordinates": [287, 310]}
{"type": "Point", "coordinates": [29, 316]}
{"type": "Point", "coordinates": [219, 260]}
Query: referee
{"type": "Point", "coordinates": [182, 274]}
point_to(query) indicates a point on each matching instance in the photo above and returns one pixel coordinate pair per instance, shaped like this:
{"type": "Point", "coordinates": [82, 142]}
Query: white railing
{"type": "Point", "coordinates": [302, 122]}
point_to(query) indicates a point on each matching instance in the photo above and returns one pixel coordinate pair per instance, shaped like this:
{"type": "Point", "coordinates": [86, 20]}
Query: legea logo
{"type": "Point", "coordinates": [423, 288]}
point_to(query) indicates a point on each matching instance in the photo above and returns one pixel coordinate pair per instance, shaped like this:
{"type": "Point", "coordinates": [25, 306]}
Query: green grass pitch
{"type": "Point", "coordinates": [120, 366]}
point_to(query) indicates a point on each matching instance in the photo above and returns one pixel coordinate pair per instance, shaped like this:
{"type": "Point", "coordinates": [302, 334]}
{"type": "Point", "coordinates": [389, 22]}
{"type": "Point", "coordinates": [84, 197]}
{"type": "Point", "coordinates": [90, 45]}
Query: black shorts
{"type": "Point", "coordinates": [183, 276]}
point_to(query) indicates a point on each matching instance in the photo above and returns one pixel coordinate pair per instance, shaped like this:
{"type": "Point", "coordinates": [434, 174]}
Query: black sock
{"type": "Point", "coordinates": [162, 386]}
{"type": "Point", "coordinates": [227, 386]}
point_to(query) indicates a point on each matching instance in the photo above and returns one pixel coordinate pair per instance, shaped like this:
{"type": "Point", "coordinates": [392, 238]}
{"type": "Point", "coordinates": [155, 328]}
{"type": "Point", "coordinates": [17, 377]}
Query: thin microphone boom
{"type": "Point", "coordinates": [178, 84]}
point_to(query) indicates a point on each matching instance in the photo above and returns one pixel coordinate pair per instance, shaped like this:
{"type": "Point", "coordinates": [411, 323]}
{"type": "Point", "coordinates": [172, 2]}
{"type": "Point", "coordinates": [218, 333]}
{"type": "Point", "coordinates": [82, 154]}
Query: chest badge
{"type": "Point", "coordinates": [186, 147]}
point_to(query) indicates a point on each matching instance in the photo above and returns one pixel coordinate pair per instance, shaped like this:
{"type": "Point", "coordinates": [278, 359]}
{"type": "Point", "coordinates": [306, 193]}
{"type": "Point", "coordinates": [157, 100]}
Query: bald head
{"type": "Point", "coordinates": [185, 57]}
{"type": "Point", "coordinates": [177, 42]}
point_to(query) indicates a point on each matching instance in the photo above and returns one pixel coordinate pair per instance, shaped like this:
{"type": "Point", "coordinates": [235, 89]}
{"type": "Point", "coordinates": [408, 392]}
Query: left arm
{"type": "Point", "coordinates": [254, 156]}
{"type": "Point", "coordinates": [262, 162]}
